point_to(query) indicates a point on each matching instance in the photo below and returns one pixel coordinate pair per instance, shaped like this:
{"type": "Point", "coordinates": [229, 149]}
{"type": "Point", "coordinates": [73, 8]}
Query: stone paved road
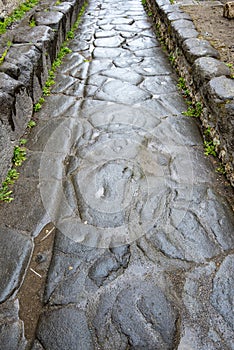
{"type": "Point", "coordinates": [143, 254]}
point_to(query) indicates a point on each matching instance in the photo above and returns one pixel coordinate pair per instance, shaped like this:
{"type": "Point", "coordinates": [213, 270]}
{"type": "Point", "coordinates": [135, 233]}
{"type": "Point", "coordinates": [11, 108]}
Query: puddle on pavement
{"type": "Point", "coordinates": [32, 290]}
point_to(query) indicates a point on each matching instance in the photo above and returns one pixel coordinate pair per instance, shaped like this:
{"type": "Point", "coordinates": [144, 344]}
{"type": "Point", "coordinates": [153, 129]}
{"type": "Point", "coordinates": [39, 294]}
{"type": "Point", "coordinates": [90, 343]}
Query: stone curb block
{"type": "Point", "coordinates": [25, 69]}
{"type": "Point", "coordinates": [206, 76]}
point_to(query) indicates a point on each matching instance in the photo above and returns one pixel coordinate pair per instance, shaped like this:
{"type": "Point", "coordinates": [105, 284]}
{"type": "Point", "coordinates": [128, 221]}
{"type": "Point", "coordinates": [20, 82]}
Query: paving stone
{"type": "Point", "coordinates": [104, 34]}
{"type": "Point", "coordinates": [141, 42]}
{"type": "Point", "coordinates": [107, 52]}
{"type": "Point", "coordinates": [29, 212]}
{"type": "Point", "coordinates": [14, 260]}
{"type": "Point", "coordinates": [195, 48]}
{"type": "Point", "coordinates": [108, 42]}
{"type": "Point", "coordinates": [221, 297]}
{"type": "Point", "coordinates": [121, 92]}
{"type": "Point", "coordinates": [63, 328]}
{"type": "Point", "coordinates": [138, 301]}
{"type": "Point", "coordinates": [124, 75]}
{"type": "Point", "coordinates": [11, 327]}
{"type": "Point", "coordinates": [160, 84]}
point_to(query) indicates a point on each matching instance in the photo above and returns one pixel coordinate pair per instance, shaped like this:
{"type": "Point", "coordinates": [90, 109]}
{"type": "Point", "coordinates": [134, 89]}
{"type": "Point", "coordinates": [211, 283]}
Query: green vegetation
{"type": "Point", "coordinates": [2, 58]}
{"type": "Point", "coordinates": [194, 111]}
{"type": "Point", "coordinates": [172, 58]}
{"type": "Point", "coordinates": [5, 191]}
{"type": "Point", "coordinates": [172, 2]}
{"type": "Point", "coordinates": [231, 66]}
{"type": "Point", "coordinates": [31, 124]}
{"type": "Point", "coordinates": [38, 105]}
{"type": "Point", "coordinates": [17, 15]}
{"type": "Point", "coordinates": [210, 147]}
{"type": "Point", "coordinates": [32, 23]}
{"type": "Point", "coordinates": [19, 155]}
{"type": "Point", "coordinates": [183, 87]}
{"type": "Point", "coordinates": [221, 169]}
{"type": "Point", "coordinates": [23, 142]}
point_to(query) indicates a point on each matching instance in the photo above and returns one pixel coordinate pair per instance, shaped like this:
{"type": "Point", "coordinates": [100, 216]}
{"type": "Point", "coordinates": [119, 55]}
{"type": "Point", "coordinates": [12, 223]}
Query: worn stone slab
{"type": "Point", "coordinates": [221, 88]}
{"type": "Point", "coordinates": [207, 68]}
{"type": "Point", "coordinates": [14, 92]}
{"type": "Point", "coordinates": [195, 48]}
{"type": "Point", "coordinates": [14, 259]}
{"type": "Point", "coordinates": [121, 92]}
{"type": "Point", "coordinates": [11, 327]}
{"type": "Point", "coordinates": [67, 327]}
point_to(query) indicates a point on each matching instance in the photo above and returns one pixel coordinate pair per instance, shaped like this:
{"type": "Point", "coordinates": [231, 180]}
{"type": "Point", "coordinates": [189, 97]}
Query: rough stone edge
{"type": "Point", "coordinates": [216, 109]}
{"type": "Point", "coordinates": [19, 101]}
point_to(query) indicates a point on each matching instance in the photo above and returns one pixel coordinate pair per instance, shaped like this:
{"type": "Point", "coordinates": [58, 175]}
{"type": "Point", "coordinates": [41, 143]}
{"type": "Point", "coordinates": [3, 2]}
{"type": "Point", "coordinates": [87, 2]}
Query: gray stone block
{"type": "Point", "coordinates": [6, 149]}
{"type": "Point", "coordinates": [11, 327]}
{"type": "Point", "coordinates": [221, 88]}
{"type": "Point", "coordinates": [207, 68]}
{"type": "Point", "coordinates": [63, 328]}
{"type": "Point", "coordinates": [15, 252]}
{"type": "Point", "coordinates": [223, 290]}
{"type": "Point", "coordinates": [194, 48]}
{"type": "Point", "coordinates": [16, 103]}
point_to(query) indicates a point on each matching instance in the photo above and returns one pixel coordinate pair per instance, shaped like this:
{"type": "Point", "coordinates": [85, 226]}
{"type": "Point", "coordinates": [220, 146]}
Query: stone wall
{"type": "Point", "coordinates": [206, 77]}
{"type": "Point", "coordinates": [25, 69]}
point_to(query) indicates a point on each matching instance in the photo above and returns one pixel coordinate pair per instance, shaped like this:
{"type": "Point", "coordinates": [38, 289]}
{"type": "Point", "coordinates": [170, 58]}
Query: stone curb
{"type": "Point", "coordinates": [207, 78]}
{"type": "Point", "coordinates": [25, 68]}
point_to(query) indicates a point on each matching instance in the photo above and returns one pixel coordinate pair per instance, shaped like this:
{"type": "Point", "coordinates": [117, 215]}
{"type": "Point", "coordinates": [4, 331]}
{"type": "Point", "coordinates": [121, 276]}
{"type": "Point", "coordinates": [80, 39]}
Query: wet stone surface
{"type": "Point", "coordinates": [142, 257]}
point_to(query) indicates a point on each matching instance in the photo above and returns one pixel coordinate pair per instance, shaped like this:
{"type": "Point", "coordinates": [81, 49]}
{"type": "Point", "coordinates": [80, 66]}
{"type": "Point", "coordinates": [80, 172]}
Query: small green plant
{"type": "Point", "coordinates": [19, 155]}
{"type": "Point", "coordinates": [220, 169]}
{"type": "Point", "coordinates": [5, 192]}
{"type": "Point", "coordinates": [70, 35]}
{"type": "Point", "coordinates": [31, 124]}
{"type": "Point", "coordinates": [143, 2]}
{"type": "Point", "coordinates": [172, 58]}
{"type": "Point", "coordinates": [150, 13]}
{"type": "Point", "coordinates": [229, 65]}
{"type": "Point", "coordinates": [58, 2]}
{"type": "Point", "coordinates": [183, 88]}
{"type": "Point", "coordinates": [172, 2]}
{"type": "Point", "coordinates": [32, 23]}
{"type": "Point", "coordinates": [38, 105]}
{"type": "Point", "coordinates": [46, 91]}
{"type": "Point", "coordinates": [23, 142]}
{"type": "Point", "coordinates": [209, 147]}
{"type": "Point", "coordinates": [194, 111]}
{"type": "Point", "coordinates": [207, 131]}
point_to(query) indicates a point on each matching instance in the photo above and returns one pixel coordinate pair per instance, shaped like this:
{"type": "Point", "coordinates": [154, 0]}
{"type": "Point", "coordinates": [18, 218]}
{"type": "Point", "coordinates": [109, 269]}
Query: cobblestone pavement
{"type": "Point", "coordinates": [143, 252]}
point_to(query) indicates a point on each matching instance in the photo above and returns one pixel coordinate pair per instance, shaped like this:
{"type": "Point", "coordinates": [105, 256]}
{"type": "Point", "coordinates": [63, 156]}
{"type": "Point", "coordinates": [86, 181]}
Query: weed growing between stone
{"type": "Point", "coordinates": [17, 15]}
{"type": "Point", "coordinates": [194, 111]}
{"type": "Point", "coordinates": [5, 191]}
